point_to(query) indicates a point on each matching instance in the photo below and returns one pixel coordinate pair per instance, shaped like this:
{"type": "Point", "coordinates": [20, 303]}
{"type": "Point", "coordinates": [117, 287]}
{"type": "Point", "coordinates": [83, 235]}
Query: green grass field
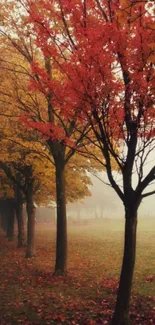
{"type": "Point", "coordinates": [30, 295]}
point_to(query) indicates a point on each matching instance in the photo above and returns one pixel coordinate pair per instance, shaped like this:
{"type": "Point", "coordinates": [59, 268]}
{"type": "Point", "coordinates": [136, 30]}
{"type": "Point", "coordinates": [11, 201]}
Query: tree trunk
{"type": "Point", "coordinates": [4, 221]}
{"type": "Point", "coordinates": [20, 222]}
{"type": "Point", "coordinates": [31, 250]}
{"type": "Point", "coordinates": [4, 214]}
{"type": "Point", "coordinates": [61, 239]}
{"type": "Point", "coordinates": [19, 211]}
{"type": "Point", "coordinates": [10, 224]}
{"type": "Point", "coordinates": [121, 314]}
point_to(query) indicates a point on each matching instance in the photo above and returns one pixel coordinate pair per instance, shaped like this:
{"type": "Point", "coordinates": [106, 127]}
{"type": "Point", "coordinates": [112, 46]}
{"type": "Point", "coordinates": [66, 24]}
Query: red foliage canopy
{"type": "Point", "coordinates": [103, 54]}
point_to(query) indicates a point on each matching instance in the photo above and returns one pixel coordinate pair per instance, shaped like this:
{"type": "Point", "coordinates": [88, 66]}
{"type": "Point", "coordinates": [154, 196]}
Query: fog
{"type": "Point", "coordinates": [104, 202]}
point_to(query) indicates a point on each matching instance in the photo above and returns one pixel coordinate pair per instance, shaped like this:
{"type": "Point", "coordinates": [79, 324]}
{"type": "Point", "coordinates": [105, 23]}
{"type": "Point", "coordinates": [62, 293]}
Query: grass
{"type": "Point", "coordinates": [30, 295]}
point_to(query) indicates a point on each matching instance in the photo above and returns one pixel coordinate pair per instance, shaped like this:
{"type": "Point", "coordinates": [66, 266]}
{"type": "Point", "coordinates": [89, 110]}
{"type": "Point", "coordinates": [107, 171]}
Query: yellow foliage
{"type": "Point", "coordinates": [6, 190]}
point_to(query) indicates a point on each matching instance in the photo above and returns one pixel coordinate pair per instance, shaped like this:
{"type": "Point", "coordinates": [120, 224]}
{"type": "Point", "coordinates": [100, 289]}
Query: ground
{"type": "Point", "coordinates": [30, 295]}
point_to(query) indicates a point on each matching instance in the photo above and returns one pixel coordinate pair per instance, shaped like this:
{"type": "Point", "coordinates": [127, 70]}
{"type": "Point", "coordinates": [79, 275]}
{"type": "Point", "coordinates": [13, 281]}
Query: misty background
{"type": "Point", "coordinates": [104, 202]}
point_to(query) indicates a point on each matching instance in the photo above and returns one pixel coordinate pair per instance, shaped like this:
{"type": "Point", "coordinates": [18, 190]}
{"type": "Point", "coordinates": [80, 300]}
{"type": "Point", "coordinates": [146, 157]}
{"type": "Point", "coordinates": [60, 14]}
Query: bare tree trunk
{"type": "Point", "coordinates": [31, 211]}
{"type": "Point", "coordinates": [121, 314]}
{"type": "Point", "coordinates": [21, 225]}
{"type": "Point", "coordinates": [4, 222]}
{"type": "Point", "coordinates": [19, 211]}
{"type": "Point", "coordinates": [10, 220]}
{"type": "Point", "coordinates": [61, 240]}
{"type": "Point", "coordinates": [4, 217]}
{"type": "Point", "coordinates": [31, 249]}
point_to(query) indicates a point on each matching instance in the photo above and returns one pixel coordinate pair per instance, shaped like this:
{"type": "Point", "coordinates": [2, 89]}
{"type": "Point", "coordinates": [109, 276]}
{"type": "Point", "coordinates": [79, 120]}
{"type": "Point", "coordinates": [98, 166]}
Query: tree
{"type": "Point", "coordinates": [49, 83]}
{"type": "Point", "coordinates": [19, 201]}
{"type": "Point", "coordinates": [109, 69]}
{"type": "Point", "coordinates": [7, 206]}
{"type": "Point", "coordinates": [27, 163]}
{"type": "Point", "coordinates": [29, 166]}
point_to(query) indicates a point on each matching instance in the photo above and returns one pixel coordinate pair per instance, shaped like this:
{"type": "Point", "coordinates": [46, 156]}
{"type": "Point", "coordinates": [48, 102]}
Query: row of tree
{"type": "Point", "coordinates": [27, 168]}
{"type": "Point", "coordinates": [83, 81]}
{"type": "Point", "coordinates": [27, 178]}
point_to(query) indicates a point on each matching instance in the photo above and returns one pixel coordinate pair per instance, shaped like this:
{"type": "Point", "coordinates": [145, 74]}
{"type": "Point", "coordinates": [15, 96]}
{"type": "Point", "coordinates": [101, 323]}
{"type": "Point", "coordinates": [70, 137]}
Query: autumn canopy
{"type": "Point", "coordinates": [91, 64]}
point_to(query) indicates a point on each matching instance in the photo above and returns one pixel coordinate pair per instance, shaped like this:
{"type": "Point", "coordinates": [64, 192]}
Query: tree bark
{"type": "Point", "coordinates": [61, 238]}
{"type": "Point", "coordinates": [10, 220]}
{"type": "Point", "coordinates": [31, 211]}
{"type": "Point", "coordinates": [30, 250]}
{"type": "Point", "coordinates": [4, 221]}
{"type": "Point", "coordinates": [121, 314]}
{"type": "Point", "coordinates": [20, 222]}
{"type": "Point", "coordinates": [19, 211]}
